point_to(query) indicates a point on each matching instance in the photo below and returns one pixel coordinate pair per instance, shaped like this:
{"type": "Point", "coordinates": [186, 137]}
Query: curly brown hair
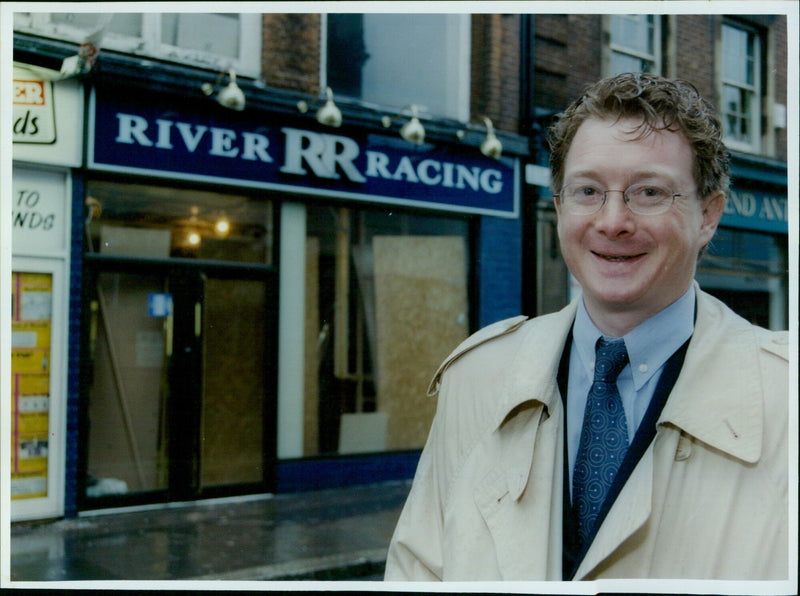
{"type": "Point", "coordinates": [662, 104]}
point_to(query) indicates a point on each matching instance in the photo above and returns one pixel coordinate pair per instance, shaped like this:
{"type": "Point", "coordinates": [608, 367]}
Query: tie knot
{"type": "Point", "coordinates": [611, 358]}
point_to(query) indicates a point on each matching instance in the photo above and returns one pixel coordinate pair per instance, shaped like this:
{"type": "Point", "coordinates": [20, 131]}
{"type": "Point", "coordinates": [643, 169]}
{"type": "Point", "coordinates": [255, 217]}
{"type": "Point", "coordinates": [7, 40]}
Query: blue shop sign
{"type": "Point", "coordinates": [755, 210]}
{"type": "Point", "coordinates": [200, 141]}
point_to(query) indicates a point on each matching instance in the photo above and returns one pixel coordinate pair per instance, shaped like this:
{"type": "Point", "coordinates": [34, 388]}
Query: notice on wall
{"type": "Point", "coordinates": [39, 211]}
{"type": "Point", "coordinates": [30, 382]}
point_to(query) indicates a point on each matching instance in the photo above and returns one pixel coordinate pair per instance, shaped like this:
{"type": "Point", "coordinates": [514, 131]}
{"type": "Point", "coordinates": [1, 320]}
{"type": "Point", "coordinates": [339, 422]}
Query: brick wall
{"type": "Point", "coordinates": [495, 75]}
{"type": "Point", "coordinates": [780, 47]}
{"type": "Point", "coordinates": [695, 56]}
{"type": "Point", "coordinates": [291, 51]}
{"type": "Point", "coordinates": [567, 57]}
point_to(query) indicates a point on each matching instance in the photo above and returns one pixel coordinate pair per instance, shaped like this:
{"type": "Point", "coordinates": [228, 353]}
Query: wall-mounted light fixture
{"type": "Point", "coordinates": [328, 114]}
{"type": "Point", "coordinates": [491, 145]}
{"type": "Point", "coordinates": [412, 131]}
{"type": "Point", "coordinates": [231, 96]}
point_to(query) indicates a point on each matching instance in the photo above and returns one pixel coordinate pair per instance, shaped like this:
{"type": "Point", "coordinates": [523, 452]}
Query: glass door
{"type": "Point", "coordinates": [126, 417]}
{"type": "Point", "coordinates": [180, 385]}
{"type": "Point", "coordinates": [179, 352]}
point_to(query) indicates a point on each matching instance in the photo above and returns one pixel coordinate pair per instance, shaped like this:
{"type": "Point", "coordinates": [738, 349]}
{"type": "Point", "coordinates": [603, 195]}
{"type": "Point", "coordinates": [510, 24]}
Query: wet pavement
{"type": "Point", "coordinates": [334, 534]}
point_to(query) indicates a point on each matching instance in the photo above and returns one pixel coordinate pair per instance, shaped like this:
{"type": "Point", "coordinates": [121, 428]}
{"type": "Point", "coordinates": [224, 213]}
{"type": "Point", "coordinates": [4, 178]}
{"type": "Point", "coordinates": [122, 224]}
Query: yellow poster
{"type": "Point", "coordinates": [32, 300]}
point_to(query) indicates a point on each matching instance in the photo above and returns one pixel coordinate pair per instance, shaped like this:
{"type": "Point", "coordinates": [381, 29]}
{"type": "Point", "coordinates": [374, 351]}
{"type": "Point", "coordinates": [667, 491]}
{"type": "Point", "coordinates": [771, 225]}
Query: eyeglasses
{"type": "Point", "coordinates": [641, 199]}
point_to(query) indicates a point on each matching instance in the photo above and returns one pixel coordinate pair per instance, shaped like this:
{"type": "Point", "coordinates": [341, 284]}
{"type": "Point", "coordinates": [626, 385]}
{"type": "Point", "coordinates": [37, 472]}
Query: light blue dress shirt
{"type": "Point", "coordinates": [649, 347]}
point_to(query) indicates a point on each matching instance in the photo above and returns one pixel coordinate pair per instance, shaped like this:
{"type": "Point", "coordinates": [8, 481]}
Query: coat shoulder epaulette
{"type": "Point", "coordinates": [776, 342]}
{"type": "Point", "coordinates": [488, 333]}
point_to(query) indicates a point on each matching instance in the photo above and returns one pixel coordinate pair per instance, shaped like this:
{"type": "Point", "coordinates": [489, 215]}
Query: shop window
{"type": "Point", "coordinates": [748, 271]}
{"type": "Point", "coordinates": [214, 40]}
{"type": "Point", "coordinates": [741, 89]}
{"type": "Point", "coordinates": [156, 222]}
{"type": "Point", "coordinates": [386, 302]}
{"type": "Point", "coordinates": [400, 59]}
{"type": "Point", "coordinates": [635, 42]}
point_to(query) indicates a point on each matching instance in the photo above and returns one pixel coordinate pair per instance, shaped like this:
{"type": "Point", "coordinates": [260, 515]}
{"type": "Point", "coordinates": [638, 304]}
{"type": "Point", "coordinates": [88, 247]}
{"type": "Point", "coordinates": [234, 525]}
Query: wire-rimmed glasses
{"type": "Point", "coordinates": [641, 199]}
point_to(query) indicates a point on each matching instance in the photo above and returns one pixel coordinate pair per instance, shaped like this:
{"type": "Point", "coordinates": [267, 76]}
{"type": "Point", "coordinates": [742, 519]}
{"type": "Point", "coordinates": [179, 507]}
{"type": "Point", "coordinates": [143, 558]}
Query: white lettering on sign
{"type": "Point", "coordinates": [742, 203]}
{"type": "Point", "coordinates": [764, 207]}
{"type": "Point", "coordinates": [322, 153]}
{"type": "Point", "coordinates": [774, 209]}
{"type": "Point", "coordinates": [220, 142]}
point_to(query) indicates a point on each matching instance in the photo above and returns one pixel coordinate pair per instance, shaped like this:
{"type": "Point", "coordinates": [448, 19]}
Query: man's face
{"type": "Point", "coordinates": [632, 266]}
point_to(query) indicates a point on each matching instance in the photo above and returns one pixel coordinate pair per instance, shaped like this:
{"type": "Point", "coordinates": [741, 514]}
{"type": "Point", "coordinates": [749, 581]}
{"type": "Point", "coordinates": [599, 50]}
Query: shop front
{"type": "Point", "coordinates": [264, 299]}
{"type": "Point", "coordinates": [747, 263]}
{"type": "Point", "coordinates": [46, 145]}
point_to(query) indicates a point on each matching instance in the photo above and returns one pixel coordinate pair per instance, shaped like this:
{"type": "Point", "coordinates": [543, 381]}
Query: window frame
{"type": "Point", "coordinates": [615, 47]}
{"type": "Point", "coordinates": [756, 90]}
{"type": "Point", "coordinates": [458, 102]}
{"type": "Point", "coordinates": [248, 63]}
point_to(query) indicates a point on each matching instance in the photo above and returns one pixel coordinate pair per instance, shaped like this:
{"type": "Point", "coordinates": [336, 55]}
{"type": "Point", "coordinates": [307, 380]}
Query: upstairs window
{"type": "Point", "coordinates": [741, 88]}
{"type": "Point", "coordinates": [635, 42]}
{"type": "Point", "coordinates": [213, 40]}
{"type": "Point", "coordinates": [395, 60]}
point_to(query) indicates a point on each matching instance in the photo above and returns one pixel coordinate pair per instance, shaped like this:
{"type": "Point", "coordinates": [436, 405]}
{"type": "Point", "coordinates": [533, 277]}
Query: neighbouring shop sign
{"type": "Point", "coordinates": [204, 142]}
{"type": "Point", "coordinates": [47, 118]}
{"type": "Point", "coordinates": [34, 112]}
{"type": "Point", "coordinates": [756, 210]}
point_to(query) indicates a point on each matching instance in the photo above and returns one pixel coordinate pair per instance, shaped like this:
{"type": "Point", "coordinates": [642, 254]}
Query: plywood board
{"type": "Point", "coordinates": [421, 315]}
{"type": "Point", "coordinates": [233, 382]}
{"type": "Point", "coordinates": [363, 433]}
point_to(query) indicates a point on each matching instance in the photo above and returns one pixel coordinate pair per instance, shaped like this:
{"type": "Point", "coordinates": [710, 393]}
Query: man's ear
{"type": "Point", "coordinates": [713, 207]}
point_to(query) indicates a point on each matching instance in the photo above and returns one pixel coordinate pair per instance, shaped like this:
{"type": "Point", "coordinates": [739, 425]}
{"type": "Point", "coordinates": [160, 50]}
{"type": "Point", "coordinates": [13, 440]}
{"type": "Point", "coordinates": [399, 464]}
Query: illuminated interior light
{"type": "Point", "coordinates": [222, 227]}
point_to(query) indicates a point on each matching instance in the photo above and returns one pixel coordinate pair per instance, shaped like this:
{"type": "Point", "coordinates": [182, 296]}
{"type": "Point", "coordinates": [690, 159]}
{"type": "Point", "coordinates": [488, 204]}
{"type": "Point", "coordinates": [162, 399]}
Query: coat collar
{"type": "Point", "coordinates": [532, 368]}
{"type": "Point", "coordinates": [719, 394]}
{"type": "Point", "coordinates": [716, 399]}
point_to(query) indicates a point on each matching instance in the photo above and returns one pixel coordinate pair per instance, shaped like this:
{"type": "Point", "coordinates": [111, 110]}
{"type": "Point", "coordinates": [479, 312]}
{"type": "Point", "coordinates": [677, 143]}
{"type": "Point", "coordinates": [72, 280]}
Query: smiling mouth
{"type": "Point", "coordinates": [616, 258]}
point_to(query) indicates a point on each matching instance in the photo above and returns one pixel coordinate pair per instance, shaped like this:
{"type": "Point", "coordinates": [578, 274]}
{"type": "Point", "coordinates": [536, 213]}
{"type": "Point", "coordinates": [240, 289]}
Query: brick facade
{"type": "Point", "coordinates": [568, 54]}
{"type": "Point", "coordinates": [291, 51]}
{"type": "Point", "coordinates": [695, 56]}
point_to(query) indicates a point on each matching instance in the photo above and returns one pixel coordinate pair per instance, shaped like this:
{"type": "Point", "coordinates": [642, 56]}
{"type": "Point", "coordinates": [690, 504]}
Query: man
{"type": "Point", "coordinates": [666, 459]}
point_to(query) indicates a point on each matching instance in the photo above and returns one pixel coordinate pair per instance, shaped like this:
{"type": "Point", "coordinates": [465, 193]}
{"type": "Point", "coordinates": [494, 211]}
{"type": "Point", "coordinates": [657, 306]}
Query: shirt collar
{"type": "Point", "coordinates": [649, 345]}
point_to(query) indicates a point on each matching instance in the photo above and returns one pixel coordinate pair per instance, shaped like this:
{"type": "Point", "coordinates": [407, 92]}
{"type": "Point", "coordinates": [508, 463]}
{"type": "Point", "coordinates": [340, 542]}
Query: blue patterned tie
{"type": "Point", "coordinates": [604, 437]}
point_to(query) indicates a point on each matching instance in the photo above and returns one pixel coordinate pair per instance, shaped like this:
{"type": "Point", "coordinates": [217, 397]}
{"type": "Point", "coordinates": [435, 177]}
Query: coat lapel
{"type": "Point", "coordinates": [524, 457]}
{"type": "Point", "coordinates": [630, 511]}
{"type": "Point", "coordinates": [719, 395]}
{"type": "Point", "coordinates": [730, 419]}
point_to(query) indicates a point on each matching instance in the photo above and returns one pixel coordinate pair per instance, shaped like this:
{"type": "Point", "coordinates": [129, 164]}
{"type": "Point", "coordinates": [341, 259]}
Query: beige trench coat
{"type": "Point", "coordinates": [708, 499]}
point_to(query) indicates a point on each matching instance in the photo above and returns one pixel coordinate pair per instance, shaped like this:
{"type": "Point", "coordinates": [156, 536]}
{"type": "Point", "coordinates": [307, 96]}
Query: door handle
{"type": "Point", "coordinates": [94, 308]}
{"type": "Point", "coordinates": [168, 338]}
{"type": "Point", "coordinates": [198, 319]}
